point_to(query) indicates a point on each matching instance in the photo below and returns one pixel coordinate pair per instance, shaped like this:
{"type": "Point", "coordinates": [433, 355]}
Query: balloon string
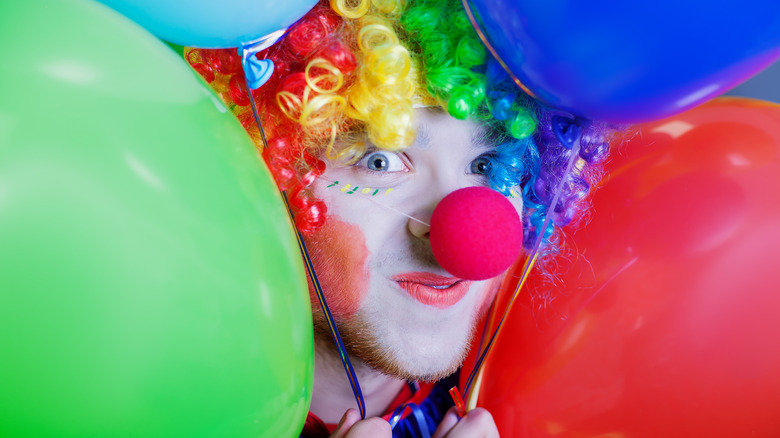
{"type": "Point", "coordinates": [458, 399]}
{"type": "Point", "coordinates": [400, 212]}
{"type": "Point", "coordinates": [353, 381]}
{"type": "Point", "coordinates": [419, 416]}
{"type": "Point", "coordinates": [393, 209]}
{"type": "Point", "coordinates": [334, 332]}
{"type": "Point", "coordinates": [486, 42]}
{"type": "Point", "coordinates": [247, 51]}
{"type": "Point", "coordinates": [568, 132]}
{"type": "Point", "coordinates": [255, 114]}
{"type": "Point", "coordinates": [478, 365]}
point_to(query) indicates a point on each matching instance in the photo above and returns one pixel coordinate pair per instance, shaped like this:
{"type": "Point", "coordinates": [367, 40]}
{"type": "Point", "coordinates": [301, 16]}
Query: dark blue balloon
{"type": "Point", "coordinates": [630, 61]}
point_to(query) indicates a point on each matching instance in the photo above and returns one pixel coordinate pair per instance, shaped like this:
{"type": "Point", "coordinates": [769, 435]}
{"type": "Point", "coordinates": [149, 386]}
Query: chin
{"type": "Point", "coordinates": [402, 338]}
{"type": "Point", "coordinates": [427, 368]}
{"type": "Point", "coordinates": [410, 348]}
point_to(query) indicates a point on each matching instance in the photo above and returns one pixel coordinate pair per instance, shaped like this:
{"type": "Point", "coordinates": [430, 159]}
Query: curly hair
{"type": "Point", "coordinates": [361, 66]}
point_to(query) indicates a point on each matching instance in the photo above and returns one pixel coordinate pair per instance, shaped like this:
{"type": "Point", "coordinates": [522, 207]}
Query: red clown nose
{"type": "Point", "coordinates": [475, 233]}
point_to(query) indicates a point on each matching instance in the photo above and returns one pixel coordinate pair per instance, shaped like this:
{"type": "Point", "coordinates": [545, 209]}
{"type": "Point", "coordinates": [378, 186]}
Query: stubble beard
{"type": "Point", "coordinates": [365, 349]}
{"type": "Point", "coordinates": [362, 340]}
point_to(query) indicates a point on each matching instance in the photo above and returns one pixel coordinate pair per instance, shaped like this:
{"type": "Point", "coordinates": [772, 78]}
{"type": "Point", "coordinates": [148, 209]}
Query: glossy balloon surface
{"type": "Point", "coordinates": [150, 282]}
{"type": "Point", "coordinates": [666, 322]}
{"type": "Point", "coordinates": [631, 62]}
{"type": "Point", "coordinates": [212, 24]}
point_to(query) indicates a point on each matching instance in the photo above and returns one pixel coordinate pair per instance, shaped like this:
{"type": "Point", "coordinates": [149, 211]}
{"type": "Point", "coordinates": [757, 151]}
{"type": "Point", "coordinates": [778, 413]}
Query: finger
{"type": "Point", "coordinates": [447, 423]}
{"type": "Point", "coordinates": [478, 423]}
{"type": "Point", "coordinates": [348, 420]}
{"type": "Point", "coordinates": [374, 427]}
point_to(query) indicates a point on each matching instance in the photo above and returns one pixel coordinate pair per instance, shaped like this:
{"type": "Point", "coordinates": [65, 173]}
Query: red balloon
{"type": "Point", "coordinates": [666, 323]}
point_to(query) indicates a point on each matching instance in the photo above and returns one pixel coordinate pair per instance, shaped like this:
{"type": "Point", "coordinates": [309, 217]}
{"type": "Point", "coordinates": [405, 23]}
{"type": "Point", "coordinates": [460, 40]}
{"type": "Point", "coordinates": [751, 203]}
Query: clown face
{"type": "Point", "coordinates": [396, 308]}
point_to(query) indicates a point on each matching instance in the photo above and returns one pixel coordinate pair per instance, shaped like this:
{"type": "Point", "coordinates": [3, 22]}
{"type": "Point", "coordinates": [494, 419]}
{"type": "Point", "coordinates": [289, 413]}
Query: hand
{"type": "Point", "coordinates": [351, 426]}
{"type": "Point", "coordinates": [477, 423]}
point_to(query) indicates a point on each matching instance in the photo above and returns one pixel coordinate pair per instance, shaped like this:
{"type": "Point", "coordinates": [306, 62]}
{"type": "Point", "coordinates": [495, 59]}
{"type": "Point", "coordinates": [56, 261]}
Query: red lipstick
{"type": "Point", "coordinates": [431, 289]}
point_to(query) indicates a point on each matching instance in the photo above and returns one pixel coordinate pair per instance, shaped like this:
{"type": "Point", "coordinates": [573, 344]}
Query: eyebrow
{"type": "Point", "coordinates": [423, 137]}
{"type": "Point", "coordinates": [483, 138]}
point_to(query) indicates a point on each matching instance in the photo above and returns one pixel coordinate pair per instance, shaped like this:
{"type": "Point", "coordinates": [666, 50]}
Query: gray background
{"type": "Point", "coordinates": [765, 85]}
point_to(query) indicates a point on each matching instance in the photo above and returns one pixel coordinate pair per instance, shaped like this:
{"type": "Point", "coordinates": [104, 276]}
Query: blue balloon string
{"type": "Point", "coordinates": [419, 417]}
{"type": "Point", "coordinates": [248, 53]}
{"type": "Point", "coordinates": [257, 116]}
{"type": "Point", "coordinates": [569, 133]}
{"type": "Point", "coordinates": [350, 371]}
{"type": "Point", "coordinates": [353, 381]}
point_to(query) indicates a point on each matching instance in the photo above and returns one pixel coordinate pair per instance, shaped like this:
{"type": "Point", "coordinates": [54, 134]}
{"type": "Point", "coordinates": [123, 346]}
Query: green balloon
{"type": "Point", "coordinates": [175, 47]}
{"type": "Point", "coordinates": [150, 281]}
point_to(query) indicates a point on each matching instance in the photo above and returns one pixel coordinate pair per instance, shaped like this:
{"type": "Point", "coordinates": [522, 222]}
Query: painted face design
{"type": "Point", "coordinates": [396, 308]}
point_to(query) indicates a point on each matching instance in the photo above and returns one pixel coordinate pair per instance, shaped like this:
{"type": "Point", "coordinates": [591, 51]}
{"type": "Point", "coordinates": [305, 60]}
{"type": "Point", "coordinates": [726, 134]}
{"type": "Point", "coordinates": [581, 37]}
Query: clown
{"type": "Point", "coordinates": [376, 111]}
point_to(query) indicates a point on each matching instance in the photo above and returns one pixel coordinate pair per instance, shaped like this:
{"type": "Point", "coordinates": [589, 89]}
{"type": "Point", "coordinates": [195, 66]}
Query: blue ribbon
{"type": "Point", "coordinates": [419, 417]}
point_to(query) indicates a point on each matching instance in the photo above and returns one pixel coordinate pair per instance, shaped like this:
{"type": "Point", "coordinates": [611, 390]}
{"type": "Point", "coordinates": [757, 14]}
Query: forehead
{"type": "Point", "coordinates": [436, 128]}
{"type": "Point", "coordinates": [436, 132]}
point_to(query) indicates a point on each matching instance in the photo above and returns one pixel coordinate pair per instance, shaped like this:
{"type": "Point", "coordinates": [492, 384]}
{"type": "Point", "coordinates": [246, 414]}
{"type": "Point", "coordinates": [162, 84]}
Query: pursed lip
{"type": "Point", "coordinates": [431, 289]}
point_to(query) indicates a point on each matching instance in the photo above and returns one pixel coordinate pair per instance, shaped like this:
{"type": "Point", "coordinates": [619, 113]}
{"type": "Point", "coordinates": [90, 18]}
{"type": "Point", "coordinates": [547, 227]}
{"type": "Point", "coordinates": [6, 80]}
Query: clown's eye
{"type": "Point", "coordinates": [480, 165]}
{"type": "Point", "coordinates": [382, 161]}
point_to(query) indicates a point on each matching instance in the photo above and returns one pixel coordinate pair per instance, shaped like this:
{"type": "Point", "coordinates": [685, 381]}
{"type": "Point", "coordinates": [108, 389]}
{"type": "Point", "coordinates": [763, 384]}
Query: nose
{"type": "Point", "coordinates": [440, 184]}
{"type": "Point", "coordinates": [419, 227]}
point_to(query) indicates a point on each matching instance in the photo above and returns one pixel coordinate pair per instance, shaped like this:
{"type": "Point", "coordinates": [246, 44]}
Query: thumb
{"type": "Point", "coordinates": [349, 419]}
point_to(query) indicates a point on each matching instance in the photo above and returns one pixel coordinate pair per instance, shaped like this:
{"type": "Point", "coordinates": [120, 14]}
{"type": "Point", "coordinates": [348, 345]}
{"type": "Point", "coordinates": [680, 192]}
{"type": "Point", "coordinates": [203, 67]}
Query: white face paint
{"type": "Point", "coordinates": [397, 309]}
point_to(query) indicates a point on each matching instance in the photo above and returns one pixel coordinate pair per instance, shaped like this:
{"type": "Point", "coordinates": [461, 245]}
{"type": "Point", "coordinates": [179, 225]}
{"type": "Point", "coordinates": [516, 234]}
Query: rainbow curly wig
{"type": "Point", "coordinates": [361, 65]}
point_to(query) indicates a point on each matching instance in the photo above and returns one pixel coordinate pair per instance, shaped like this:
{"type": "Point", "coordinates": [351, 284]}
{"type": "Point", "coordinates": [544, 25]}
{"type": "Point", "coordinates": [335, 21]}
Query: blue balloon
{"type": "Point", "coordinates": [630, 61]}
{"type": "Point", "coordinates": [212, 23]}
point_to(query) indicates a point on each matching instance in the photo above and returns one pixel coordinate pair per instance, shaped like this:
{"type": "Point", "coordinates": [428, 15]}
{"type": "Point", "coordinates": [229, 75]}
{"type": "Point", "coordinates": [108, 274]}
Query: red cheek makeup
{"type": "Point", "coordinates": [340, 256]}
